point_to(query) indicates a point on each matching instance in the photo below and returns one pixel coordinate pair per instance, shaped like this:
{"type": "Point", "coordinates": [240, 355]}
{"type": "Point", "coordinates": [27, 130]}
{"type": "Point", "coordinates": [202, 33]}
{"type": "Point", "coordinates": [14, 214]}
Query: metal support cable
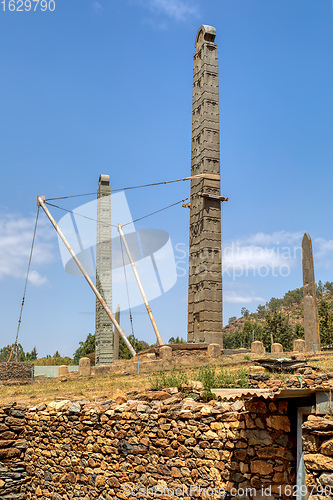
{"type": "Point", "coordinates": [26, 284]}
{"type": "Point", "coordinates": [127, 291]}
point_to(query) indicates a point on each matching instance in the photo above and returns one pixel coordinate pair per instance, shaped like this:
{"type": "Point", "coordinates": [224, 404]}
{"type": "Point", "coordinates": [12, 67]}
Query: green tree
{"type": "Point", "coordinates": [176, 340]}
{"type": "Point", "coordinates": [319, 289]}
{"type": "Point", "coordinates": [328, 287]}
{"type": "Point", "coordinates": [5, 353]}
{"type": "Point", "coordinates": [139, 345]}
{"type": "Point", "coordinates": [86, 347]}
{"type": "Point", "coordinates": [277, 325]}
{"type": "Point", "coordinates": [274, 304]}
{"type": "Point", "coordinates": [245, 312]}
{"type": "Point", "coordinates": [293, 297]}
{"type": "Point", "coordinates": [261, 311]}
{"type": "Point", "coordinates": [232, 319]}
{"type": "Point", "coordinates": [325, 316]}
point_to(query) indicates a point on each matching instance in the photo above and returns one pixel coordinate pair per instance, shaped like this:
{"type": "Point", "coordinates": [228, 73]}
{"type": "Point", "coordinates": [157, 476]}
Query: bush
{"type": "Point", "coordinates": [176, 378]}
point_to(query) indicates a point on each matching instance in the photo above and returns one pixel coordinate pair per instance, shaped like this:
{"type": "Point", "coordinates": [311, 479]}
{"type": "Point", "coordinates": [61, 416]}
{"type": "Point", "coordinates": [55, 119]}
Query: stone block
{"type": "Point", "coordinates": [257, 348]}
{"type": "Point", "coordinates": [214, 350]}
{"type": "Point", "coordinates": [63, 371]}
{"type": "Point", "coordinates": [84, 366]}
{"type": "Point", "coordinates": [276, 348]}
{"type": "Point", "coordinates": [166, 353]}
{"type": "Point", "coordinates": [299, 345]}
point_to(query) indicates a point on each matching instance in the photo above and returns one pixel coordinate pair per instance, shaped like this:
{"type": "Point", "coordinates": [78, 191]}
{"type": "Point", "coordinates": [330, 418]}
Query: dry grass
{"type": "Point", "coordinates": [101, 387]}
{"type": "Point", "coordinates": [325, 362]}
{"type": "Point", "coordinates": [97, 388]}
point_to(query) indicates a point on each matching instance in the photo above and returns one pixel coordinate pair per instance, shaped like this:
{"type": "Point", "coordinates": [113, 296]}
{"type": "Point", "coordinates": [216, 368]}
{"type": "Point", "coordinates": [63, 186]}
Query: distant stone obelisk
{"type": "Point", "coordinates": [311, 325]}
{"type": "Point", "coordinates": [104, 330]}
{"type": "Point", "coordinates": [205, 260]}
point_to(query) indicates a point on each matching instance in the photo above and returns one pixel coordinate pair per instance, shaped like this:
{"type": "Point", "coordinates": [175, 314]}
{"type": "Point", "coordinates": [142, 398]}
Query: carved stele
{"type": "Point", "coordinates": [205, 261]}
{"type": "Point", "coordinates": [104, 331]}
{"type": "Point", "coordinates": [311, 325]}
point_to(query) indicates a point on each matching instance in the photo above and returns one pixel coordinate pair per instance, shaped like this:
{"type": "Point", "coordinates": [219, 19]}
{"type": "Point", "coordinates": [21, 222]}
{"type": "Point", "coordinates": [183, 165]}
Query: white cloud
{"type": "Point", "coordinates": [178, 10]}
{"type": "Point", "coordinates": [15, 244]}
{"type": "Point", "coordinates": [233, 297]}
{"type": "Point", "coordinates": [322, 247]}
{"type": "Point", "coordinates": [276, 238]}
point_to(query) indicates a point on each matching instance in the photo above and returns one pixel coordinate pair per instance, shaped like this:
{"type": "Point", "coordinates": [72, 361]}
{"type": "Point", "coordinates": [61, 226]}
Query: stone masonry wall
{"type": "Point", "coordinates": [318, 455]}
{"type": "Point", "coordinates": [17, 371]}
{"type": "Point", "coordinates": [108, 451]}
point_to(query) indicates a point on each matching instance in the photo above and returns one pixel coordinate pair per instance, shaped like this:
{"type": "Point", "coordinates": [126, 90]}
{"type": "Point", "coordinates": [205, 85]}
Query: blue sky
{"type": "Point", "coordinates": [105, 87]}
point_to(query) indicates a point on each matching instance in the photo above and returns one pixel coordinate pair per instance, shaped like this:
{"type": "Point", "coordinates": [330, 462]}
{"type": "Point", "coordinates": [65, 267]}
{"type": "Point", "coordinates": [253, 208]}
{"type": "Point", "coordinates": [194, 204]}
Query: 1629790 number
{"type": "Point", "coordinates": [27, 5]}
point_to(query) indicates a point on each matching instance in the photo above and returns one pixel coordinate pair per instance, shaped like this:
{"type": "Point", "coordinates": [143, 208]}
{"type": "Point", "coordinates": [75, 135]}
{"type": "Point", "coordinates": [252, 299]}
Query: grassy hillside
{"type": "Point", "coordinates": [282, 319]}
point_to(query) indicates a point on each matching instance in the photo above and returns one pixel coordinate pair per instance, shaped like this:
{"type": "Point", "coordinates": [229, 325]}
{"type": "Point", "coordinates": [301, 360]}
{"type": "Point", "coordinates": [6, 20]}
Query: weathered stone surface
{"type": "Point", "coordinates": [63, 371]}
{"type": "Point", "coordinates": [327, 447]}
{"type": "Point", "coordinates": [214, 350]}
{"type": "Point", "coordinates": [326, 479]}
{"type": "Point", "coordinates": [103, 324]}
{"type": "Point", "coordinates": [257, 348]}
{"type": "Point", "coordinates": [17, 372]}
{"type": "Point", "coordinates": [318, 426]}
{"type": "Point", "coordinates": [311, 443]}
{"type": "Point", "coordinates": [119, 397]}
{"type": "Point", "coordinates": [84, 367]}
{"type": "Point", "coordinates": [276, 348]}
{"type": "Point", "coordinates": [86, 450]}
{"type": "Point", "coordinates": [279, 422]}
{"type": "Point", "coordinates": [261, 467]}
{"type": "Point", "coordinates": [205, 259]}
{"type": "Point", "coordinates": [311, 325]}
{"type": "Point", "coordinates": [299, 345]}
{"type": "Point", "coordinates": [316, 461]}
{"type": "Point", "coordinates": [166, 353]}
{"type": "Point", "coordinates": [261, 437]}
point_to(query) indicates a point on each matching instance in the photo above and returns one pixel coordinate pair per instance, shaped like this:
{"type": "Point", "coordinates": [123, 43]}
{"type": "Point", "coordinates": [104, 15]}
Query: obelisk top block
{"type": "Point", "coordinates": [205, 34]}
{"type": "Point", "coordinates": [104, 180]}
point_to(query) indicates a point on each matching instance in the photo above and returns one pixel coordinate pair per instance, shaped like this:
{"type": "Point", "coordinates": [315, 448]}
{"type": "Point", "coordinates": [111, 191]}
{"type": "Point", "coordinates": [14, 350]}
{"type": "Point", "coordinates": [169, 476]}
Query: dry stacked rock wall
{"type": "Point", "coordinates": [110, 451]}
{"type": "Point", "coordinates": [12, 450]}
{"type": "Point", "coordinates": [22, 372]}
{"type": "Point", "coordinates": [318, 455]}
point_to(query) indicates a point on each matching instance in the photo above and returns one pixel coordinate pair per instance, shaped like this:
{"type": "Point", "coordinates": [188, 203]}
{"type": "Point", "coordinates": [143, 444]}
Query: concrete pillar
{"type": "Point", "coordinates": [299, 345]}
{"type": "Point", "coordinates": [104, 327]}
{"type": "Point", "coordinates": [311, 324]}
{"type": "Point", "coordinates": [214, 350]}
{"type": "Point", "coordinates": [258, 348]}
{"type": "Point", "coordinates": [205, 259]}
{"type": "Point", "coordinates": [63, 371]}
{"type": "Point", "coordinates": [277, 348]}
{"type": "Point", "coordinates": [84, 366]}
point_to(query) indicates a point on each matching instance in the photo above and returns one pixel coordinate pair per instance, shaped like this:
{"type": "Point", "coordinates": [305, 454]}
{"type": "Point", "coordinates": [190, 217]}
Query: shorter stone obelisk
{"type": "Point", "coordinates": [311, 324]}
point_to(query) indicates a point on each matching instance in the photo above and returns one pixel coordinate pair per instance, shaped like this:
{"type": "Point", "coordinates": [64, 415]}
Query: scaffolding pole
{"type": "Point", "coordinates": [40, 202]}
{"type": "Point", "coordinates": [137, 277]}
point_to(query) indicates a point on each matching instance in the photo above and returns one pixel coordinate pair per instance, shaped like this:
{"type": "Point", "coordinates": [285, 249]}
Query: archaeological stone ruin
{"type": "Point", "coordinates": [205, 265]}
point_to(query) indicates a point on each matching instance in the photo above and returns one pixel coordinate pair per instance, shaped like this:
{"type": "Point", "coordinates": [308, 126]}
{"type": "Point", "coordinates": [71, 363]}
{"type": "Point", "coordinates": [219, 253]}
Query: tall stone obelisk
{"type": "Point", "coordinates": [311, 325]}
{"type": "Point", "coordinates": [104, 330]}
{"type": "Point", "coordinates": [205, 259]}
